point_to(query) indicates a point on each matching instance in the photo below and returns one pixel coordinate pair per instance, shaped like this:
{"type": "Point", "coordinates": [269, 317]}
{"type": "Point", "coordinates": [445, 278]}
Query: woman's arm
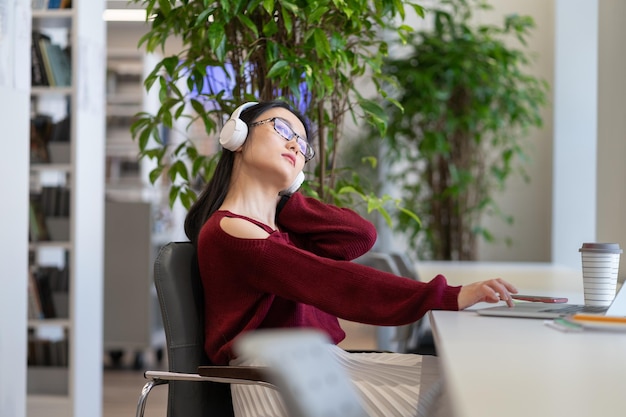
{"type": "Point", "coordinates": [341, 288]}
{"type": "Point", "coordinates": [324, 229]}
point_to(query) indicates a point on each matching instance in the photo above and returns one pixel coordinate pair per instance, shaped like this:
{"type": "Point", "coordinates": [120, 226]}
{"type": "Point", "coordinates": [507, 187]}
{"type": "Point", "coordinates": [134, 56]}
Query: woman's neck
{"type": "Point", "coordinates": [256, 205]}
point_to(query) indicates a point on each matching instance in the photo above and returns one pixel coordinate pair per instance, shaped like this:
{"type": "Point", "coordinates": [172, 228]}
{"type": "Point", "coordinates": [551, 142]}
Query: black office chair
{"type": "Point", "coordinates": [411, 338]}
{"type": "Point", "coordinates": [196, 388]}
{"type": "Point", "coordinates": [180, 294]}
{"type": "Point", "coordinates": [388, 338]}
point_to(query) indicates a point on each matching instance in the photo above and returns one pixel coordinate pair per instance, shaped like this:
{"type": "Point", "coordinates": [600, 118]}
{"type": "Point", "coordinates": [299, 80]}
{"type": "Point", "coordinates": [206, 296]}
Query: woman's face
{"type": "Point", "coordinates": [269, 151]}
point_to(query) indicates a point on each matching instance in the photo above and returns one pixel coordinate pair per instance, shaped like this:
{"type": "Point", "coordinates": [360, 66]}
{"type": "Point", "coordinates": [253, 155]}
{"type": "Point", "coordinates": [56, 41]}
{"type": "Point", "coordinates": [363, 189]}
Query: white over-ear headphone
{"type": "Point", "coordinates": [235, 130]}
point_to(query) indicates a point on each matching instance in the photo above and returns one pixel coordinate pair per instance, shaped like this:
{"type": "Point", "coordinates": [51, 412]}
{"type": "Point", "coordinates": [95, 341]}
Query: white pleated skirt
{"type": "Point", "coordinates": [389, 384]}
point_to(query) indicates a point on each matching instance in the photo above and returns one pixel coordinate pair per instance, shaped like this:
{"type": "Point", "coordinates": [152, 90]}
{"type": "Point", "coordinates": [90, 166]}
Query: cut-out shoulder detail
{"type": "Point", "coordinates": [242, 228]}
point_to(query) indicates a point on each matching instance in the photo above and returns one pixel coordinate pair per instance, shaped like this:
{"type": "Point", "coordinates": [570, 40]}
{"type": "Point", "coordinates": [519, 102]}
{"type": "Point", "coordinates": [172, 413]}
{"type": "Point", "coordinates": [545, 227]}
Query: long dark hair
{"type": "Point", "coordinates": [216, 189]}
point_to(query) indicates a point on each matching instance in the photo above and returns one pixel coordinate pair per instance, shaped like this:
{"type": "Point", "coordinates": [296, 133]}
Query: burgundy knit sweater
{"type": "Point", "coordinates": [301, 276]}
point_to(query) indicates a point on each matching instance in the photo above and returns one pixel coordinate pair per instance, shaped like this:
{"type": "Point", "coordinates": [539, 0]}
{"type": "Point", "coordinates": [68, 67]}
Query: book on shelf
{"type": "Point", "coordinates": [44, 134]}
{"type": "Point", "coordinates": [40, 131]}
{"type": "Point", "coordinates": [55, 201]}
{"type": "Point", "coordinates": [36, 220]}
{"type": "Point", "coordinates": [48, 289]}
{"type": "Point", "coordinates": [39, 76]}
{"type": "Point", "coordinates": [35, 310]}
{"type": "Point", "coordinates": [45, 295]}
{"type": "Point", "coordinates": [42, 41]}
{"type": "Point", "coordinates": [49, 214]}
{"type": "Point", "coordinates": [51, 4]}
{"type": "Point", "coordinates": [61, 131]}
{"type": "Point", "coordinates": [59, 4]}
{"type": "Point", "coordinates": [50, 64]}
{"type": "Point", "coordinates": [60, 65]}
{"type": "Point", "coordinates": [47, 352]}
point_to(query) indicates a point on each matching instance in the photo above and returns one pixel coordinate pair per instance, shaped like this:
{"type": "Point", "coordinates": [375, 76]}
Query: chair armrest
{"type": "Point", "coordinates": [222, 376]}
{"type": "Point", "coordinates": [250, 373]}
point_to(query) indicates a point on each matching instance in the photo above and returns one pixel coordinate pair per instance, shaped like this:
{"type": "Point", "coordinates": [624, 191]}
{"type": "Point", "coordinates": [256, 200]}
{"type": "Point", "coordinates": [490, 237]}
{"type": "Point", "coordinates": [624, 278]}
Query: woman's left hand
{"type": "Point", "coordinates": [490, 291]}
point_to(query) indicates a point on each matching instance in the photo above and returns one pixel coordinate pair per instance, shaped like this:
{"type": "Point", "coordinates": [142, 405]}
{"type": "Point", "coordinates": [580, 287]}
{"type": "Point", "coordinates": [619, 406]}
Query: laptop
{"type": "Point", "coordinates": [552, 311]}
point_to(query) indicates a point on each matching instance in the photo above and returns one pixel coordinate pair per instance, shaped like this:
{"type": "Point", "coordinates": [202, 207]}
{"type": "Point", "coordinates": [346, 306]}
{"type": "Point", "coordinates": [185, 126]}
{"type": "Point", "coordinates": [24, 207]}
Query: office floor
{"type": "Point", "coordinates": [123, 386]}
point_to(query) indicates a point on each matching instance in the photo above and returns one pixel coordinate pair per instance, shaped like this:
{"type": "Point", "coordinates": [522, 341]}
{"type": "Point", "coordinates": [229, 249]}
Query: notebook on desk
{"type": "Point", "coordinates": [552, 311]}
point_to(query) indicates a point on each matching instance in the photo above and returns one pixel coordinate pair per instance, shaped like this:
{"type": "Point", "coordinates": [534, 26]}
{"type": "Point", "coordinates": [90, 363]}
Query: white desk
{"type": "Point", "coordinates": [519, 367]}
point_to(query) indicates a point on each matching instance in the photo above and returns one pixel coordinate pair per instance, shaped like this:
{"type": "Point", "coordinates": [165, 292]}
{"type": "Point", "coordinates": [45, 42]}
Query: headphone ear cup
{"type": "Point", "coordinates": [295, 185]}
{"type": "Point", "coordinates": [233, 134]}
{"type": "Point", "coordinates": [235, 130]}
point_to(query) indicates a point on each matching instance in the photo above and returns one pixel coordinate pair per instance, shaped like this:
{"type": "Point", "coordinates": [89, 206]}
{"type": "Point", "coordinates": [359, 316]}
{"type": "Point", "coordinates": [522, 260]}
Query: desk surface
{"type": "Point", "coordinates": [519, 367]}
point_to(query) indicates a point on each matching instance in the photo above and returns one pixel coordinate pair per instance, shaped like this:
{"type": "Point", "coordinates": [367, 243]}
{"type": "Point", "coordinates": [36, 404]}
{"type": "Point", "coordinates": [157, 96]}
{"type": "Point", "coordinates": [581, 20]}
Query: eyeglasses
{"type": "Point", "coordinates": [282, 128]}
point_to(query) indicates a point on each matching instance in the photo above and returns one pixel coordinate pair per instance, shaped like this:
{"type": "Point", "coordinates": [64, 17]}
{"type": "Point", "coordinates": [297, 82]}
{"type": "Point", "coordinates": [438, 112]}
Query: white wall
{"type": "Point", "coordinates": [126, 35]}
{"type": "Point", "coordinates": [575, 193]}
{"type": "Point", "coordinates": [14, 252]}
{"type": "Point", "coordinates": [529, 203]}
{"type": "Point", "coordinates": [575, 130]}
{"type": "Point", "coordinates": [14, 119]}
{"type": "Point", "coordinates": [87, 257]}
{"type": "Point", "coordinates": [611, 205]}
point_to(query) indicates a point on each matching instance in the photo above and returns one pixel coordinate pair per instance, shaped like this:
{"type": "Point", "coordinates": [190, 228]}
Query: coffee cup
{"type": "Point", "coordinates": [600, 262]}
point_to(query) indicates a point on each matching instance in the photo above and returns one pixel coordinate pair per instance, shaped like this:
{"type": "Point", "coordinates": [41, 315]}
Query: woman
{"type": "Point", "coordinates": [272, 258]}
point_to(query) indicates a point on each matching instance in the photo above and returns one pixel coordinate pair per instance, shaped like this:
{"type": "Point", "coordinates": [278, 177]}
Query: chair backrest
{"type": "Point", "coordinates": [397, 338]}
{"type": "Point", "coordinates": [418, 337]}
{"type": "Point", "coordinates": [181, 298]}
{"type": "Point", "coordinates": [379, 260]}
{"type": "Point", "coordinates": [405, 266]}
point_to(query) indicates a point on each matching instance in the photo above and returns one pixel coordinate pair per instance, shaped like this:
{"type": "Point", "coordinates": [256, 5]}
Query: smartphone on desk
{"type": "Point", "coordinates": [539, 298]}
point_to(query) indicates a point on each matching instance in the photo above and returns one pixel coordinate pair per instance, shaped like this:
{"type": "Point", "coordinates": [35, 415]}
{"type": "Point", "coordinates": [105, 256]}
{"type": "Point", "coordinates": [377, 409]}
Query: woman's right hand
{"type": "Point", "coordinates": [490, 291]}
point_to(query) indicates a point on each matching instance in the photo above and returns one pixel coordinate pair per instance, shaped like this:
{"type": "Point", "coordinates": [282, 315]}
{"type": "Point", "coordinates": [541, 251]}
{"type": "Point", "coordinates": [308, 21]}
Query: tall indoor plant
{"type": "Point", "coordinates": [310, 53]}
{"type": "Point", "coordinates": [468, 104]}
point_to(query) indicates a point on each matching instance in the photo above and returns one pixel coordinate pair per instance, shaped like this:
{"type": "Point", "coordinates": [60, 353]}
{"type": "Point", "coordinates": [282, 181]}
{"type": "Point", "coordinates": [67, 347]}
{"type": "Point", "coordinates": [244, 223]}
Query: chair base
{"type": "Point", "coordinates": [145, 391]}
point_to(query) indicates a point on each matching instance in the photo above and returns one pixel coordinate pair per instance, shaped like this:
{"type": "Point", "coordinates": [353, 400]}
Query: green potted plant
{"type": "Point", "coordinates": [467, 107]}
{"type": "Point", "coordinates": [309, 53]}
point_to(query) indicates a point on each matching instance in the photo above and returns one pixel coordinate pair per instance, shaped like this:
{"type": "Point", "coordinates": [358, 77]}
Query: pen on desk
{"type": "Point", "coordinates": [602, 319]}
{"type": "Point", "coordinates": [564, 325]}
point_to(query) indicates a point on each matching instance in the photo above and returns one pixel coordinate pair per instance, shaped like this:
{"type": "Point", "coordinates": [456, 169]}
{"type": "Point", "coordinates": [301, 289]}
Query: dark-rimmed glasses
{"type": "Point", "coordinates": [286, 132]}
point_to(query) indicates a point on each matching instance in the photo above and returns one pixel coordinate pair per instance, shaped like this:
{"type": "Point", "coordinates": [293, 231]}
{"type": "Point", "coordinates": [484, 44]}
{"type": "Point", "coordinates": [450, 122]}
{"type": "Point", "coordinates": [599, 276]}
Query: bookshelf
{"type": "Point", "coordinates": [65, 206]}
{"type": "Point", "coordinates": [125, 97]}
{"type": "Point", "coordinates": [137, 215]}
